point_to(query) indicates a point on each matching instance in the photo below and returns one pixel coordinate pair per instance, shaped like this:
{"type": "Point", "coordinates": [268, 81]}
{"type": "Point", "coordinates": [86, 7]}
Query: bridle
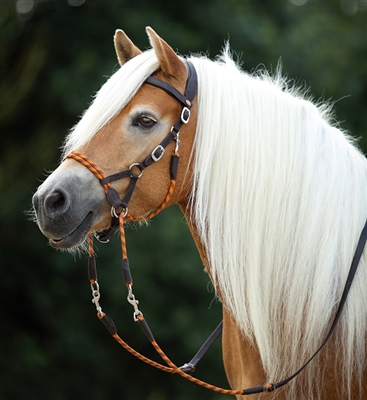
{"type": "Point", "coordinates": [120, 214]}
{"type": "Point", "coordinates": [136, 169]}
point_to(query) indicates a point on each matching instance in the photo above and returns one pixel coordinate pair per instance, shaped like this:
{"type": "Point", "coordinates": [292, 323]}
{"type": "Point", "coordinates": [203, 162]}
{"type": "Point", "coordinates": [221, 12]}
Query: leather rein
{"type": "Point", "coordinates": [119, 213]}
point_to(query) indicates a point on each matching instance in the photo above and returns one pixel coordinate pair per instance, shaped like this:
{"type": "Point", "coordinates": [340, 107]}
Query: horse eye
{"type": "Point", "coordinates": [146, 122]}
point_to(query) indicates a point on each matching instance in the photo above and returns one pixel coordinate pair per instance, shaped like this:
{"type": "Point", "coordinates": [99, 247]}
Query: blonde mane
{"type": "Point", "coordinates": [279, 200]}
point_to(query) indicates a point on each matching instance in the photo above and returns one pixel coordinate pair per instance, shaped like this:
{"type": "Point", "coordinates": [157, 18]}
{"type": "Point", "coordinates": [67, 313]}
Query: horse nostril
{"type": "Point", "coordinates": [57, 203]}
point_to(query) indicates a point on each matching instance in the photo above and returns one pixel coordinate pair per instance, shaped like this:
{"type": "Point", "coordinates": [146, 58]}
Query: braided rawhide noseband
{"type": "Point", "coordinates": [120, 213]}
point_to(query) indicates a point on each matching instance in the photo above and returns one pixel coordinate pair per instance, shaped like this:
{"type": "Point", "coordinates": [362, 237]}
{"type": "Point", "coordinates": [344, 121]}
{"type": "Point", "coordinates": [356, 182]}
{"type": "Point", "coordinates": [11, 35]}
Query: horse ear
{"type": "Point", "coordinates": [169, 61]}
{"type": "Point", "coordinates": [125, 48]}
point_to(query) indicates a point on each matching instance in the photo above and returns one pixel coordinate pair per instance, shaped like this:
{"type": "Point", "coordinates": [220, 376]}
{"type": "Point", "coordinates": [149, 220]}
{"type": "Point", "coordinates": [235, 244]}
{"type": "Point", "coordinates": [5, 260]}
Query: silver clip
{"type": "Point", "coordinates": [96, 296]}
{"type": "Point", "coordinates": [177, 138]}
{"type": "Point", "coordinates": [131, 299]}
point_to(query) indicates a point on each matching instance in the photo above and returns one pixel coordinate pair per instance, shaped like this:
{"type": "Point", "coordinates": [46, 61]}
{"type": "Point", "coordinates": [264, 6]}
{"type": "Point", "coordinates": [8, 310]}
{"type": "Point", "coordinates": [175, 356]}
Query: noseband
{"type": "Point", "coordinates": [119, 213]}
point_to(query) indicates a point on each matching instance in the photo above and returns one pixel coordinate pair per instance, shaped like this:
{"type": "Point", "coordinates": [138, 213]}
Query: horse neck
{"type": "Point", "coordinates": [199, 244]}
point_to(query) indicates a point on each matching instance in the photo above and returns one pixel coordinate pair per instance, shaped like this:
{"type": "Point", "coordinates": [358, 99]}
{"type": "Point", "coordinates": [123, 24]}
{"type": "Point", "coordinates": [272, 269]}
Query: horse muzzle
{"type": "Point", "coordinates": [67, 205]}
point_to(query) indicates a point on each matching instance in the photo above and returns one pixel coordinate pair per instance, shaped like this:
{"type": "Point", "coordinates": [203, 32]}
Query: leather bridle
{"type": "Point", "coordinates": [119, 213]}
{"type": "Point", "coordinates": [136, 169]}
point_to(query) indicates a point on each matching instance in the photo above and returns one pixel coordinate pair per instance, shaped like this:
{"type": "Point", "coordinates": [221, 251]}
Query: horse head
{"type": "Point", "coordinates": [71, 202]}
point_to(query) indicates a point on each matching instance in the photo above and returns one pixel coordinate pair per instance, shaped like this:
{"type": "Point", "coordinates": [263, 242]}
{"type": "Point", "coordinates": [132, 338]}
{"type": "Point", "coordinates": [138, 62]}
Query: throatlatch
{"type": "Point", "coordinates": [119, 213]}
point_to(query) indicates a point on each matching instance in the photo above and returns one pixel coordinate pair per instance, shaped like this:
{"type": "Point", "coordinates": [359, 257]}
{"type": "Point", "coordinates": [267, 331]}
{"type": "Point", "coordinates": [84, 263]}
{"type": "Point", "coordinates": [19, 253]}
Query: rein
{"type": "Point", "coordinates": [119, 213]}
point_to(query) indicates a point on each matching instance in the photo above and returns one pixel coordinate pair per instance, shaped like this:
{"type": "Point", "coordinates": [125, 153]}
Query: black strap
{"type": "Point", "coordinates": [92, 269]}
{"type": "Point", "coordinates": [114, 177]}
{"type": "Point", "coordinates": [190, 366]}
{"type": "Point", "coordinates": [190, 90]}
{"type": "Point", "coordinates": [105, 235]}
{"type": "Point", "coordinates": [129, 192]}
{"type": "Point", "coordinates": [167, 88]}
{"type": "Point", "coordinates": [192, 81]}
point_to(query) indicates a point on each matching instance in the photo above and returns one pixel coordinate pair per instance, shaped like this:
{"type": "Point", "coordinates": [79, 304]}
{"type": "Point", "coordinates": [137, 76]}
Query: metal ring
{"type": "Point", "coordinates": [135, 175]}
{"type": "Point", "coordinates": [114, 214]}
{"type": "Point", "coordinates": [174, 130]}
{"type": "Point", "coordinates": [95, 234]}
{"type": "Point", "coordinates": [94, 286]}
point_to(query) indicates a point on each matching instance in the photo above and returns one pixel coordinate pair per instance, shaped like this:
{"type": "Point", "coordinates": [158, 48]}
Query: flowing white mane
{"type": "Point", "coordinates": [279, 201]}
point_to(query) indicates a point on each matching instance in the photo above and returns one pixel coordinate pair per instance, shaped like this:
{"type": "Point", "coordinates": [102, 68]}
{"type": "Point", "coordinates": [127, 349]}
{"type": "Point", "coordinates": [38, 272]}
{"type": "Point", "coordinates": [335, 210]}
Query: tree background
{"type": "Point", "coordinates": [54, 56]}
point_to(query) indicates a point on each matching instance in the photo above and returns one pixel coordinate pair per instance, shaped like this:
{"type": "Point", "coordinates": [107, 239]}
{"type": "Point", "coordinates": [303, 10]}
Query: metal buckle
{"type": "Point", "coordinates": [185, 115]}
{"type": "Point", "coordinates": [157, 158]}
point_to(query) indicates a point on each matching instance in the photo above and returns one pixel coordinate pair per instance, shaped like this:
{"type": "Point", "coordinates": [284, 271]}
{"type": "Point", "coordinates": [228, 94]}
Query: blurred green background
{"type": "Point", "coordinates": [54, 56]}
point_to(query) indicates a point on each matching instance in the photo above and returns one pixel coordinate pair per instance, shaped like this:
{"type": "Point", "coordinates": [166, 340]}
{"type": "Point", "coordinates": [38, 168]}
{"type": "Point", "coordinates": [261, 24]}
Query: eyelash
{"type": "Point", "coordinates": [148, 121]}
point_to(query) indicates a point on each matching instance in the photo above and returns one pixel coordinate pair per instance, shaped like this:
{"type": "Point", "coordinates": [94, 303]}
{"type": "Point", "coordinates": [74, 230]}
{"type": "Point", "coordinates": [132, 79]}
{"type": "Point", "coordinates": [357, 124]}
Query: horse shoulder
{"type": "Point", "coordinates": [244, 369]}
{"type": "Point", "coordinates": [241, 359]}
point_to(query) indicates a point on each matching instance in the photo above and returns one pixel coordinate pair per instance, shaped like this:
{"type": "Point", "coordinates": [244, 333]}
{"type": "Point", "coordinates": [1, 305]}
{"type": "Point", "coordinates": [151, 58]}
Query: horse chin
{"type": "Point", "coordinates": [76, 237]}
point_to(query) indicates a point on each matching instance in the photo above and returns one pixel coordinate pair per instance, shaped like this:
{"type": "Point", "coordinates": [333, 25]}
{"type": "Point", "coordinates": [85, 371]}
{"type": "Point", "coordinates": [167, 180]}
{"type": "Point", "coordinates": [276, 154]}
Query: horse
{"type": "Point", "coordinates": [274, 193]}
